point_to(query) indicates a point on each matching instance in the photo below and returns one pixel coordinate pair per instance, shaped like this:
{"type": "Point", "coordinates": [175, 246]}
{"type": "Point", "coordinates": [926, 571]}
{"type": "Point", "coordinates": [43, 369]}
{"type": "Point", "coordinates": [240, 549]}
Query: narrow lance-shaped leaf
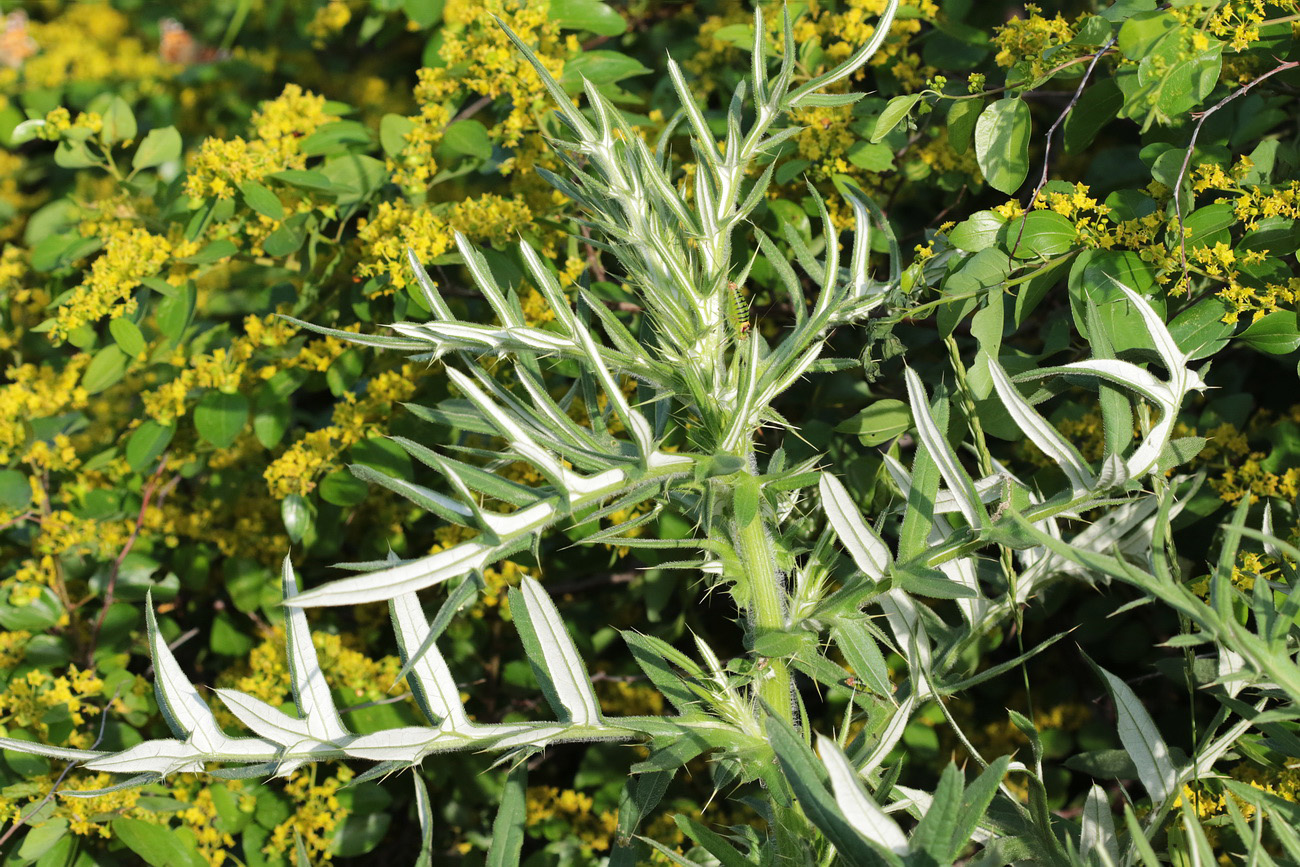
{"type": "Point", "coordinates": [854, 801]}
{"type": "Point", "coordinates": [508, 828]}
{"type": "Point", "coordinates": [1141, 738]}
{"type": "Point", "coordinates": [310, 690]}
{"type": "Point", "coordinates": [1097, 829]}
{"type": "Point", "coordinates": [432, 683]}
{"type": "Point", "coordinates": [959, 482]}
{"type": "Point", "coordinates": [1040, 433]}
{"type": "Point", "coordinates": [555, 660]}
{"type": "Point", "coordinates": [864, 545]}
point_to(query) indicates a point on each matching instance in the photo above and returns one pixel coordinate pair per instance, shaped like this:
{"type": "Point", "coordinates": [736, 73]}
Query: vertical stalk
{"type": "Point", "coordinates": [766, 606]}
{"type": "Point", "coordinates": [985, 458]}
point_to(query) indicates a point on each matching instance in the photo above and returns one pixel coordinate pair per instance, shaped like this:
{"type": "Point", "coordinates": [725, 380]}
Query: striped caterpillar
{"type": "Point", "coordinates": [737, 312]}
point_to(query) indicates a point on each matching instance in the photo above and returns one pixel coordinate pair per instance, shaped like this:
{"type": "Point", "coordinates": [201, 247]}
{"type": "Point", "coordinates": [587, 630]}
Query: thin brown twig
{"type": "Point", "coordinates": [1201, 118]}
{"type": "Point", "coordinates": [1051, 131]}
{"type": "Point", "coordinates": [150, 487]}
{"type": "Point", "coordinates": [1042, 78]}
{"type": "Point", "coordinates": [593, 257]}
{"type": "Point", "coordinates": [18, 519]}
{"type": "Point", "coordinates": [470, 110]}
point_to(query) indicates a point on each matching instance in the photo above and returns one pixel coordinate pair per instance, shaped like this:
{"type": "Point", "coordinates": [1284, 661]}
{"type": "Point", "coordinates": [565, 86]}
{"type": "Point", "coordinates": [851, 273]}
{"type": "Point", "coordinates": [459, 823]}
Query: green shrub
{"type": "Point", "coordinates": [641, 381]}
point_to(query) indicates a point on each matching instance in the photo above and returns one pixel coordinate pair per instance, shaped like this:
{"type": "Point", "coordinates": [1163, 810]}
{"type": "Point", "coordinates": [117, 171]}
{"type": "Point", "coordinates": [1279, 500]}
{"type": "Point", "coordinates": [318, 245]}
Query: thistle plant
{"type": "Point", "coordinates": [663, 415]}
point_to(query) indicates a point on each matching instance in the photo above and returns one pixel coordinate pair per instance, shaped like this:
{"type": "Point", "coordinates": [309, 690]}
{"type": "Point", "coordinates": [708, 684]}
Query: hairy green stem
{"type": "Point", "coordinates": [766, 607]}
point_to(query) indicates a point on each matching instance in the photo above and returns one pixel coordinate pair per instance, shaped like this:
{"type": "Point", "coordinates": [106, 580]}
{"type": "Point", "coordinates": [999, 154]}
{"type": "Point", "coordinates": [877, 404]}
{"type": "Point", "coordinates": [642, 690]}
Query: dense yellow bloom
{"type": "Point", "coordinates": [220, 166]}
{"type": "Point", "coordinates": [354, 419]}
{"type": "Point", "coordinates": [594, 831]}
{"type": "Point", "coordinates": [128, 258]}
{"type": "Point", "coordinates": [328, 20]}
{"type": "Point", "coordinates": [478, 57]}
{"type": "Point", "coordinates": [37, 392]}
{"type": "Point", "coordinates": [89, 42]}
{"type": "Point", "coordinates": [1026, 39]}
{"type": "Point", "coordinates": [317, 814]}
{"type": "Point", "coordinates": [27, 700]}
{"type": "Point", "coordinates": [397, 226]}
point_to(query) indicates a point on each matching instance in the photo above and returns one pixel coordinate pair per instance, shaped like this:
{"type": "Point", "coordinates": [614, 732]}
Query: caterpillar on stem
{"type": "Point", "coordinates": [737, 312]}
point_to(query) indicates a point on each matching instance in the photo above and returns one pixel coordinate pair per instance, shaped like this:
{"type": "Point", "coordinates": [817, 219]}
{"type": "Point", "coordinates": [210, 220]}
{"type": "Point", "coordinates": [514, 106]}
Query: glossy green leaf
{"type": "Point", "coordinates": [1002, 144]}
{"type": "Point", "coordinates": [220, 417]}
{"type": "Point", "coordinates": [159, 146]}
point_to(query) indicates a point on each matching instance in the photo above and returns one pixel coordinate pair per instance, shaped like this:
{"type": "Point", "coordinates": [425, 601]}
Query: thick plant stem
{"type": "Point", "coordinates": [766, 607]}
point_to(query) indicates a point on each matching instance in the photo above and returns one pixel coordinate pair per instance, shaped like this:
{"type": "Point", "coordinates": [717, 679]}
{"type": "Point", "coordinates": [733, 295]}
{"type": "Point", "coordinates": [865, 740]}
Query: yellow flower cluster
{"type": "Point", "coordinates": [1284, 783]}
{"type": "Point", "coordinates": [91, 815]}
{"type": "Point", "coordinates": [593, 831]}
{"type": "Point", "coordinates": [355, 677]}
{"type": "Point", "coordinates": [478, 57]}
{"type": "Point", "coordinates": [1249, 568]}
{"type": "Point", "coordinates": [87, 42]}
{"type": "Point", "coordinates": [317, 814]}
{"type": "Point", "coordinates": [230, 368]}
{"type": "Point", "coordinates": [1236, 21]}
{"type": "Point", "coordinates": [28, 699]}
{"type": "Point", "coordinates": [839, 33]}
{"type": "Point", "coordinates": [624, 698]}
{"type": "Point", "coordinates": [354, 419]}
{"type": "Point", "coordinates": [13, 645]}
{"type": "Point", "coordinates": [1027, 39]}
{"type": "Point", "coordinates": [37, 392]}
{"type": "Point", "coordinates": [129, 257]}
{"type": "Point", "coordinates": [416, 167]}
{"type": "Point", "coordinates": [328, 20]}
{"type": "Point", "coordinates": [426, 231]}
{"type": "Point", "coordinates": [201, 815]}
{"type": "Point", "coordinates": [220, 166]}
{"type": "Point", "coordinates": [60, 122]}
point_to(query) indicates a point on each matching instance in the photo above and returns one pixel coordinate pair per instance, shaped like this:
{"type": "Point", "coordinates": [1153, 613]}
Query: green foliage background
{"type": "Point", "coordinates": [204, 166]}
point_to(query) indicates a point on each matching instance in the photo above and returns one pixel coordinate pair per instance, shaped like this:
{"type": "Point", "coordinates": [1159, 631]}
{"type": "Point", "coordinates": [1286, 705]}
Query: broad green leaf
{"type": "Point", "coordinates": [895, 113]}
{"type": "Point", "coordinates": [119, 120]}
{"type": "Point", "coordinates": [15, 490]}
{"type": "Point", "coordinates": [159, 146]}
{"type": "Point", "coordinates": [262, 200]}
{"type": "Point", "coordinates": [219, 417]}
{"type": "Point", "coordinates": [147, 443]}
{"type": "Point", "coordinates": [1002, 144]}
{"type": "Point", "coordinates": [158, 845]}
{"type": "Point", "coordinates": [977, 232]}
{"type": "Point", "coordinates": [126, 334]}
{"type": "Point", "coordinates": [878, 423]}
{"type": "Point", "coordinates": [601, 67]}
{"type": "Point", "coordinates": [1275, 333]}
{"type": "Point", "coordinates": [1041, 233]}
{"type": "Point", "coordinates": [468, 138]}
{"type": "Point", "coordinates": [105, 370]}
{"type": "Point", "coordinates": [962, 117]}
{"type": "Point", "coordinates": [590, 15]}
{"type": "Point", "coordinates": [393, 130]}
